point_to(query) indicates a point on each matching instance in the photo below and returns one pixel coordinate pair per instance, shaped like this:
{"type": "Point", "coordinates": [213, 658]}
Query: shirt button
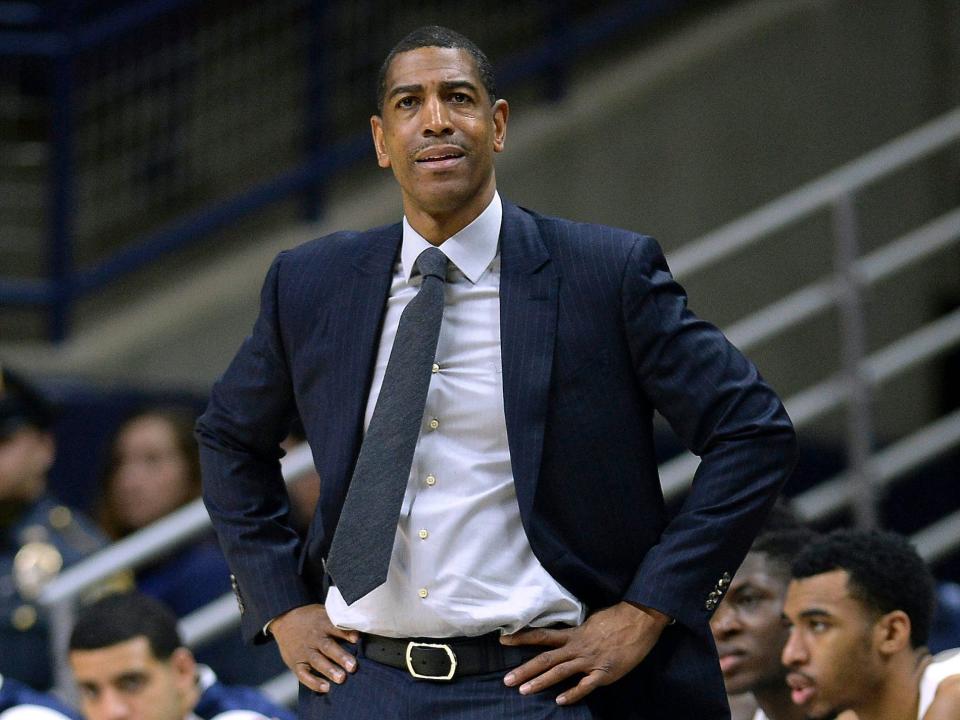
{"type": "Point", "coordinates": [434, 424]}
{"type": "Point", "coordinates": [423, 534]}
{"type": "Point", "coordinates": [431, 480]}
{"type": "Point", "coordinates": [435, 368]}
{"type": "Point", "coordinates": [422, 592]}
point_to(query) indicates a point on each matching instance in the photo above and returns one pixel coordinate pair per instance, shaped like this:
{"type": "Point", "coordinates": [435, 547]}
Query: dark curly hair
{"type": "Point", "coordinates": [437, 36]}
{"type": "Point", "coordinates": [885, 573]}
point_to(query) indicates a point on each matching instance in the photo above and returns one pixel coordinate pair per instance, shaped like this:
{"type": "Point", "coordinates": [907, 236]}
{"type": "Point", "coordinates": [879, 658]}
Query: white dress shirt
{"type": "Point", "coordinates": [461, 563]}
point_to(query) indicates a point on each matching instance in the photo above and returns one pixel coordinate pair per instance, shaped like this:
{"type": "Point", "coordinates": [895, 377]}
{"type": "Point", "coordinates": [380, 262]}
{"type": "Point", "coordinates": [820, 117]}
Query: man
{"type": "Point", "coordinates": [507, 468]}
{"type": "Point", "coordinates": [749, 629]}
{"type": "Point", "coordinates": [859, 609]}
{"type": "Point", "coordinates": [129, 664]}
{"type": "Point", "coordinates": [19, 702]}
{"type": "Point", "coordinates": [38, 535]}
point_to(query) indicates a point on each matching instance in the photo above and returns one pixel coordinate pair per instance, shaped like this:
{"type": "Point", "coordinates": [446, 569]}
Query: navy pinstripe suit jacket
{"type": "Point", "coordinates": [595, 336]}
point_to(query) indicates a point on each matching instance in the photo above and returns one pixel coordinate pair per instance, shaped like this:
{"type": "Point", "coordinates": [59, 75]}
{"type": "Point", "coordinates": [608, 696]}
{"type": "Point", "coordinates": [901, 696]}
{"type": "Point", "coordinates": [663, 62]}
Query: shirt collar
{"type": "Point", "coordinates": [471, 250]}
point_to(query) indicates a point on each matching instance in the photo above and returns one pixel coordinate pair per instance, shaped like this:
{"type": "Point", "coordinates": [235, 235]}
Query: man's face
{"type": "Point", "coordinates": [830, 655]}
{"type": "Point", "coordinates": [126, 682]}
{"type": "Point", "coordinates": [748, 627]}
{"type": "Point", "coordinates": [25, 457]}
{"type": "Point", "coordinates": [438, 132]}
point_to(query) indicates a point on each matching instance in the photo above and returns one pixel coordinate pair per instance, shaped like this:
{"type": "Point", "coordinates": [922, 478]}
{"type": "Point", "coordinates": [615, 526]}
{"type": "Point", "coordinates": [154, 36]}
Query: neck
{"type": "Point", "coordinates": [440, 224]}
{"type": "Point", "coordinates": [776, 704]}
{"type": "Point", "coordinates": [897, 696]}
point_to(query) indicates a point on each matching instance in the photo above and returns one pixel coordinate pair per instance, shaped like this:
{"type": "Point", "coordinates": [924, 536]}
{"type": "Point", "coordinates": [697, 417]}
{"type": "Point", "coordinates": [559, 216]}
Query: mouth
{"type": "Point", "coordinates": [802, 688]}
{"type": "Point", "coordinates": [439, 157]}
{"type": "Point", "coordinates": [730, 659]}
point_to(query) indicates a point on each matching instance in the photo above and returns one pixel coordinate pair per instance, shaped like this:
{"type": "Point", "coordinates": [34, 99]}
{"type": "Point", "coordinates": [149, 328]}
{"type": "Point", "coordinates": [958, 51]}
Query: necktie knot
{"type": "Point", "coordinates": [432, 262]}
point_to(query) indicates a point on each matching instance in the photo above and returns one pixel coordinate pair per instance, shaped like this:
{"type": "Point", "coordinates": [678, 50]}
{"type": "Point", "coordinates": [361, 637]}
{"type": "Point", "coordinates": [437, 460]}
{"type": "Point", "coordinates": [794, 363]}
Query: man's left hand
{"type": "Point", "coordinates": [609, 644]}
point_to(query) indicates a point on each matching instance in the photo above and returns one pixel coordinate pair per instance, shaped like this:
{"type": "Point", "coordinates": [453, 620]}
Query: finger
{"type": "Point", "coordinates": [351, 636]}
{"type": "Point", "coordinates": [322, 665]}
{"type": "Point", "coordinates": [552, 676]}
{"type": "Point", "coordinates": [309, 680]}
{"type": "Point", "coordinates": [587, 685]}
{"type": "Point", "coordinates": [536, 666]}
{"type": "Point", "coordinates": [338, 654]}
{"type": "Point", "coordinates": [537, 636]}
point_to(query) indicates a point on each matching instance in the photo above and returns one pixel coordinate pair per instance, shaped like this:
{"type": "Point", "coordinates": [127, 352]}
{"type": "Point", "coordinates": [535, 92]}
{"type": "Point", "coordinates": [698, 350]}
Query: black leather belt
{"type": "Point", "coordinates": [446, 658]}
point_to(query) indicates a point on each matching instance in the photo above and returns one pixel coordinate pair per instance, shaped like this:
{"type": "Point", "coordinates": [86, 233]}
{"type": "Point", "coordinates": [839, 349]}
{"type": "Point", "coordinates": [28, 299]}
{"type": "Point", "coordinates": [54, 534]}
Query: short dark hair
{"type": "Point", "coordinates": [437, 36]}
{"type": "Point", "coordinates": [120, 617]}
{"type": "Point", "coordinates": [781, 547]}
{"type": "Point", "coordinates": [22, 405]}
{"type": "Point", "coordinates": [885, 573]}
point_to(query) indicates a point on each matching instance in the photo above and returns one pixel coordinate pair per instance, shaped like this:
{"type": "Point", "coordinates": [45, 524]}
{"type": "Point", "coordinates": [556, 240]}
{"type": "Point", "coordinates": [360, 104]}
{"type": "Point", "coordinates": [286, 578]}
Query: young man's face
{"type": "Point", "coordinates": [748, 627]}
{"type": "Point", "coordinates": [438, 131]}
{"type": "Point", "coordinates": [126, 682]}
{"type": "Point", "coordinates": [830, 652]}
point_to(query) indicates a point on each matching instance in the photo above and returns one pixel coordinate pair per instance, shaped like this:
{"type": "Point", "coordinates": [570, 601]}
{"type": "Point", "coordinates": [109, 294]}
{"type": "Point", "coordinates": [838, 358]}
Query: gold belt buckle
{"type": "Point", "coordinates": [438, 646]}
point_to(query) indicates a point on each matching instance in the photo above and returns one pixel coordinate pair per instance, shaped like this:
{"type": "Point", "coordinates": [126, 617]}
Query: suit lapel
{"type": "Point", "coordinates": [356, 319]}
{"type": "Point", "coordinates": [528, 328]}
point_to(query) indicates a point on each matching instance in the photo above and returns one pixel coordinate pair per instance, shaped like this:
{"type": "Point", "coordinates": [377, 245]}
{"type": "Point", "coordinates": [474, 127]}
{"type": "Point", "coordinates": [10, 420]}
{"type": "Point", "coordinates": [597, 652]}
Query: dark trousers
{"type": "Point", "coordinates": [381, 692]}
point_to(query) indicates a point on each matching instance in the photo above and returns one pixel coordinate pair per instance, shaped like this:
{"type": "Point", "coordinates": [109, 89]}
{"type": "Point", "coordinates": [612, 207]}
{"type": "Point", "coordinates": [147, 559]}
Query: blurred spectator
{"type": "Point", "coordinates": [860, 606]}
{"type": "Point", "coordinates": [38, 535]}
{"type": "Point", "coordinates": [748, 628]}
{"type": "Point", "coordinates": [153, 469]}
{"type": "Point", "coordinates": [945, 628]}
{"type": "Point", "coordinates": [18, 702]}
{"type": "Point", "coordinates": [129, 663]}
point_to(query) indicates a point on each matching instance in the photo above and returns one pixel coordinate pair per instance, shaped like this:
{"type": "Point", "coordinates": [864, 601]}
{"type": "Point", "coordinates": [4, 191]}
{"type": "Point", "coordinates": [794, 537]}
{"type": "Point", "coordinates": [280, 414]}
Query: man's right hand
{"type": "Point", "coordinates": [308, 645]}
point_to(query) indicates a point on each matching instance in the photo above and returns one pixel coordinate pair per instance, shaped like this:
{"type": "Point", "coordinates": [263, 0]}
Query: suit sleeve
{"type": "Point", "coordinates": [723, 411]}
{"type": "Point", "coordinates": [249, 413]}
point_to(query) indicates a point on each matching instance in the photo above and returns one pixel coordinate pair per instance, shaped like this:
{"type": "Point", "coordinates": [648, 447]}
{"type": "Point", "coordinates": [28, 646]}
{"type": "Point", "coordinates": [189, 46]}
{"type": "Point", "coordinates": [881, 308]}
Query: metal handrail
{"type": "Point", "coordinates": [816, 195]}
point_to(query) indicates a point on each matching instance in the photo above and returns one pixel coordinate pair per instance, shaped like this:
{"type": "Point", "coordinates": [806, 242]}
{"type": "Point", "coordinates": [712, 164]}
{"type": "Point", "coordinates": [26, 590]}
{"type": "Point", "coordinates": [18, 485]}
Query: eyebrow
{"type": "Point", "coordinates": [814, 612]}
{"type": "Point", "coordinates": [445, 85]}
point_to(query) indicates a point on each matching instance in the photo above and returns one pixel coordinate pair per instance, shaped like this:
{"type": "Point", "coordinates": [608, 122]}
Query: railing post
{"type": "Point", "coordinates": [556, 74]}
{"type": "Point", "coordinates": [859, 418]}
{"type": "Point", "coordinates": [62, 180]}
{"type": "Point", "coordinates": [61, 618]}
{"type": "Point", "coordinates": [316, 109]}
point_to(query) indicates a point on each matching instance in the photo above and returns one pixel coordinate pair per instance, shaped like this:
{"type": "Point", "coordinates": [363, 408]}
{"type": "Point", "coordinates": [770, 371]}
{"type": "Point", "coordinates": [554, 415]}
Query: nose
{"type": "Point", "coordinates": [725, 621]}
{"type": "Point", "coordinates": [794, 652]}
{"type": "Point", "coordinates": [112, 706]}
{"type": "Point", "coordinates": [436, 117]}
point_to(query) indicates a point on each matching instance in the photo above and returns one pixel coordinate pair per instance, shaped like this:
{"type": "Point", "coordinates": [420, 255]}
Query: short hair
{"type": "Point", "coordinates": [120, 617]}
{"type": "Point", "coordinates": [782, 546]}
{"type": "Point", "coordinates": [437, 36]}
{"type": "Point", "coordinates": [885, 573]}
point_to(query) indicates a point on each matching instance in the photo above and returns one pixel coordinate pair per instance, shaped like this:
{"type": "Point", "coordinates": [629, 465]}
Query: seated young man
{"type": "Point", "coordinates": [859, 608]}
{"type": "Point", "coordinates": [129, 663]}
{"type": "Point", "coordinates": [748, 626]}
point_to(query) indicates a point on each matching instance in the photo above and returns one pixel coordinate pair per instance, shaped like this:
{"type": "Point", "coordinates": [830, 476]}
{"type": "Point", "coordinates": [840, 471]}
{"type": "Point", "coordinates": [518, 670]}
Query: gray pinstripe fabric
{"type": "Point", "coordinates": [363, 541]}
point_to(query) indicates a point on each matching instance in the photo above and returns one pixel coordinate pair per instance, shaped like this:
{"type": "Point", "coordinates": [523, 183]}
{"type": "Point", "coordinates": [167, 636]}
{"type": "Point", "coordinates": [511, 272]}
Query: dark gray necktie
{"type": "Point", "coordinates": [363, 542]}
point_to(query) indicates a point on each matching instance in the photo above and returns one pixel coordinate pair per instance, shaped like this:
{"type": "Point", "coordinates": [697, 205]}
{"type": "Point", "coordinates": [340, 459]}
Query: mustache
{"type": "Point", "coordinates": [422, 147]}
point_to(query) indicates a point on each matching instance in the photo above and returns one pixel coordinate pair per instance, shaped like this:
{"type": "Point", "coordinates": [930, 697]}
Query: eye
{"type": "Point", "coordinates": [131, 683]}
{"type": "Point", "coordinates": [88, 693]}
{"type": "Point", "coordinates": [818, 626]}
{"type": "Point", "coordinates": [459, 97]}
{"type": "Point", "coordinates": [407, 102]}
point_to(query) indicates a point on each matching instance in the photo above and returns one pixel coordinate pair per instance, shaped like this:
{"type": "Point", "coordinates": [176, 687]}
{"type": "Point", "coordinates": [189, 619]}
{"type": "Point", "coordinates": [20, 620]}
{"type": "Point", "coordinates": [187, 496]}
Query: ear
{"type": "Point", "coordinates": [501, 113]}
{"type": "Point", "coordinates": [46, 451]}
{"type": "Point", "coordinates": [892, 632]}
{"type": "Point", "coordinates": [376, 128]}
{"type": "Point", "coordinates": [184, 668]}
